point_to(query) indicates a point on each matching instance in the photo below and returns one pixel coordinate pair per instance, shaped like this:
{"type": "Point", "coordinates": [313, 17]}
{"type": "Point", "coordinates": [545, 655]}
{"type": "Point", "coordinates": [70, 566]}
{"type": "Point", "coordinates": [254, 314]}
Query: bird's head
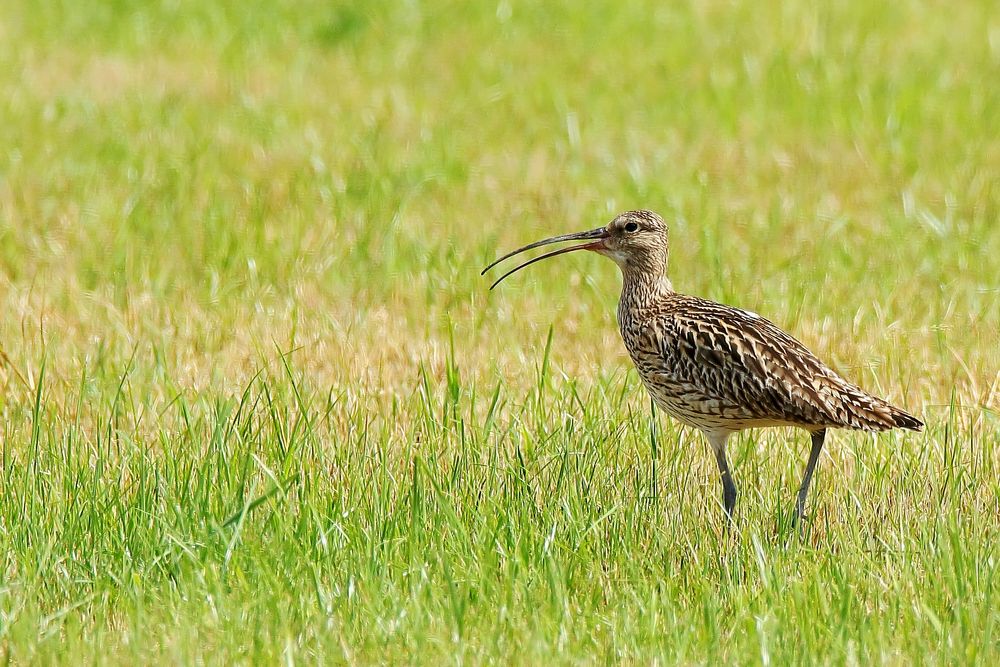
{"type": "Point", "coordinates": [635, 240]}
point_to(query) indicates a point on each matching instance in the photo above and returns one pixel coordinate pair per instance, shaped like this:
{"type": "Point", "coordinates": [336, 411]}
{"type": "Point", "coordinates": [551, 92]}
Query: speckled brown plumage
{"type": "Point", "coordinates": [715, 367]}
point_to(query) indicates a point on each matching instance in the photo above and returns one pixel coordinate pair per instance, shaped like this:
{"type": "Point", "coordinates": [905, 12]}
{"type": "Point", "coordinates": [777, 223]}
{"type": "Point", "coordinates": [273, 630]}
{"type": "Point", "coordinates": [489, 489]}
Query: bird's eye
{"type": "Point", "coordinates": [631, 227]}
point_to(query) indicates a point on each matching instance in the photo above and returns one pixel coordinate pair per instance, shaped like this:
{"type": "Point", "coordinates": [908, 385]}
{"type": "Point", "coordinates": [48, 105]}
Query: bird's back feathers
{"type": "Point", "coordinates": [719, 367]}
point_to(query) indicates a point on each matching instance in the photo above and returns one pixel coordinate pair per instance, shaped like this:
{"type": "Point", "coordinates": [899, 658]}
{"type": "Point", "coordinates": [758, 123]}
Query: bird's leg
{"type": "Point", "coordinates": [718, 442]}
{"type": "Point", "coordinates": [817, 446]}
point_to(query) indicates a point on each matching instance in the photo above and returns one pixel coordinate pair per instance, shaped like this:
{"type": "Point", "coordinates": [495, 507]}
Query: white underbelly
{"type": "Point", "coordinates": [691, 407]}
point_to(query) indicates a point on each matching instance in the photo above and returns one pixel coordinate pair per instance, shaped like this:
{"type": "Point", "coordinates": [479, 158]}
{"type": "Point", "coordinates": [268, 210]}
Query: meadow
{"type": "Point", "coordinates": [258, 406]}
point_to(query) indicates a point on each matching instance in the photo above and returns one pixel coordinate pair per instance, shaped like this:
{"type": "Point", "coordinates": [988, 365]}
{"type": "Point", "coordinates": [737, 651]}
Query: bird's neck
{"type": "Point", "coordinates": [641, 289]}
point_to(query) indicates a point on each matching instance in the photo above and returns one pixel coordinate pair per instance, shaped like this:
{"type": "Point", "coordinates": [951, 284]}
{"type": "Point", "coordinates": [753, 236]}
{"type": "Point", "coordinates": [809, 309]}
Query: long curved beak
{"type": "Point", "coordinates": [600, 234]}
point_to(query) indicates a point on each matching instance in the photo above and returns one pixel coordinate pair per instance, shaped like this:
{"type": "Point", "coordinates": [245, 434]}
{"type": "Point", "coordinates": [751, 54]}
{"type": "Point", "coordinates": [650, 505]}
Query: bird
{"type": "Point", "coordinates": [715, 367]}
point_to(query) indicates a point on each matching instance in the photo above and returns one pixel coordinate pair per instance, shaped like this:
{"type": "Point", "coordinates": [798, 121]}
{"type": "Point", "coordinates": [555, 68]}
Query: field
{"type": "Point", "coordinates": [258, 406]}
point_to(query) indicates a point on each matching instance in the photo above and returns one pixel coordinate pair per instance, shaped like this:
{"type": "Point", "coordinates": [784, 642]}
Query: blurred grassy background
{"type": "Point", "coordinates": [190, 189]}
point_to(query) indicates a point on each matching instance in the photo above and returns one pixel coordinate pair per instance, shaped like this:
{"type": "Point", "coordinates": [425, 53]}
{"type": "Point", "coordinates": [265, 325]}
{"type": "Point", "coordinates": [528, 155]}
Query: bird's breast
{"type": "Point", "coordinates": [678, 384]}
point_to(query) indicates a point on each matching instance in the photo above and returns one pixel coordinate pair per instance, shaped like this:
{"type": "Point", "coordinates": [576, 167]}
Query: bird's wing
{"type": "Point", "coordinates": [747, 363]}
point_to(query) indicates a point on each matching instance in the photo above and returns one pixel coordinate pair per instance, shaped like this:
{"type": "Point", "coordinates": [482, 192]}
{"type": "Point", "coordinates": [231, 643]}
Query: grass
{"type": "Point", "coordinates": [256, 404]}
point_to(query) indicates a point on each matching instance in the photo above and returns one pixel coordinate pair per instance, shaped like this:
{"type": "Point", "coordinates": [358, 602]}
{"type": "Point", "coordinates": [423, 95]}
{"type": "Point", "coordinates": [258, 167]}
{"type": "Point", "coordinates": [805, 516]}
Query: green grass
{"type": "Point", "coordinates": [256, 404]}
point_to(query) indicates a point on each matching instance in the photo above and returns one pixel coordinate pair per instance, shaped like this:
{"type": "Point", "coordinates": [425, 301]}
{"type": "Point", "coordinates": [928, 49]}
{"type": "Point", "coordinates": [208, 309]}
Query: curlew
{"type": "Point", "coordinates": [714, 367]}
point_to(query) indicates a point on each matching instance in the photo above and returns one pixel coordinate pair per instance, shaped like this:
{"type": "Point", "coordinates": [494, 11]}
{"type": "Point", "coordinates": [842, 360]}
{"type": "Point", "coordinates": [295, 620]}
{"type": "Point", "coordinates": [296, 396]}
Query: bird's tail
{"type": "Point", "coordinates": [903, 419]}
{"type": "Point", "coordinates": [871, 413]}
